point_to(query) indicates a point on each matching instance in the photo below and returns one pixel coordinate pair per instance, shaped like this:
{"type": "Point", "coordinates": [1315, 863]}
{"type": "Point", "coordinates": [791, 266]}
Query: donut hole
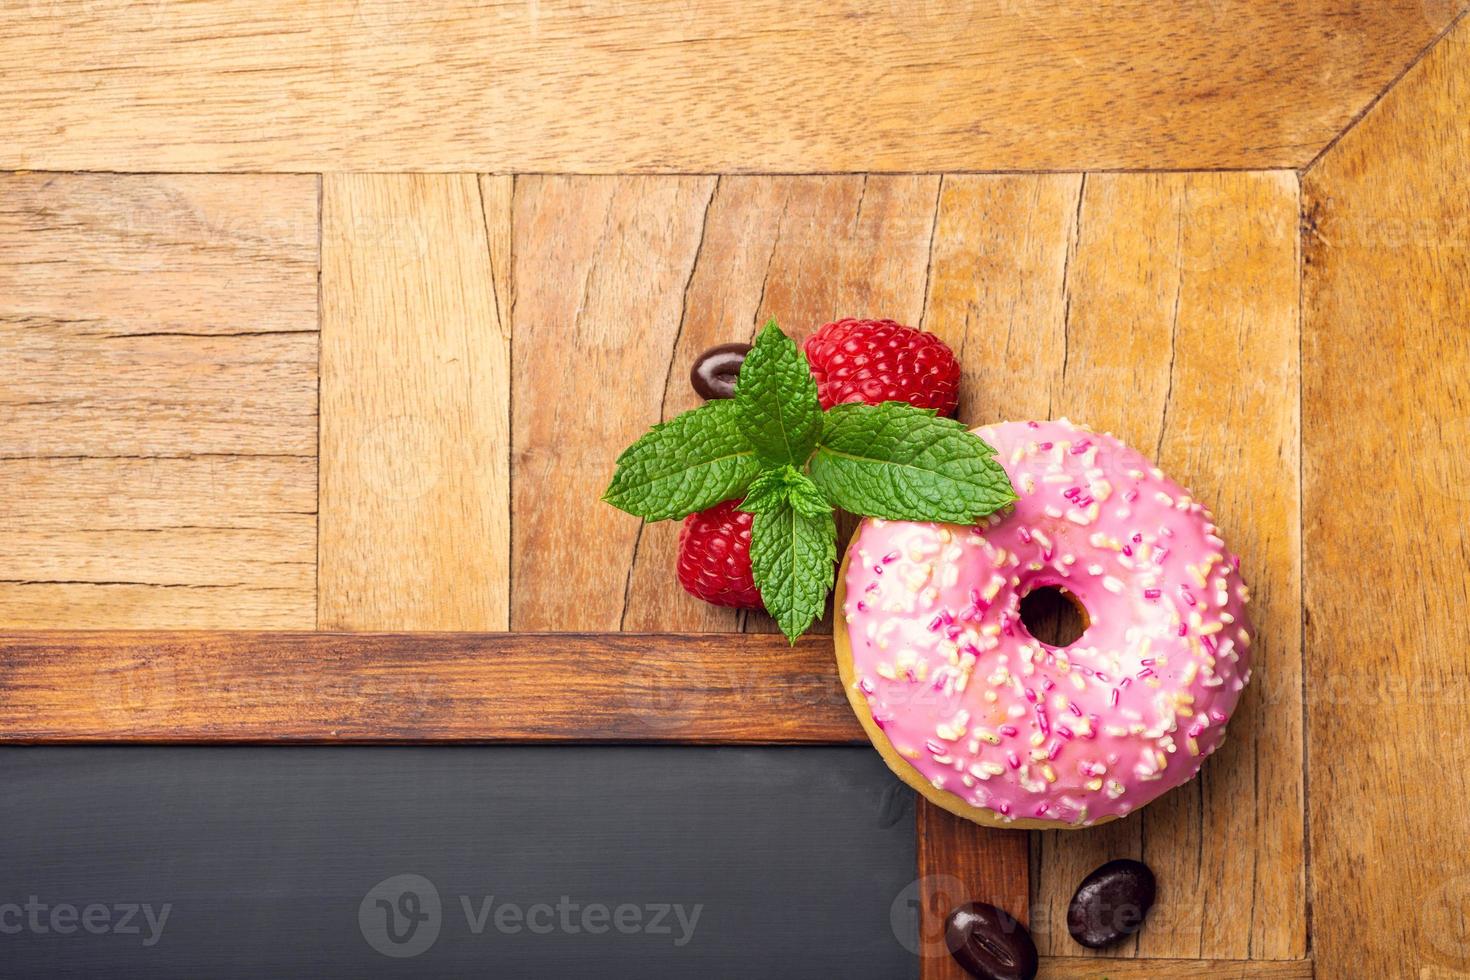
{"type": "Point", "coordinates": [1053, 615]}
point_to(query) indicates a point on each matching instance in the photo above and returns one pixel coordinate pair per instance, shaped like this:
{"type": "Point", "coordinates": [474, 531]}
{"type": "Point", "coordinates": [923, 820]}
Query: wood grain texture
{"type": "Point", "coordinates": [601, 267]}
{"type": "Point", "coordinates": [1089, 968]}
{"type": "Point", "coordinates": [158, 414]}
{"type": "Point", "coordinates": [642, 85]}
{"type": "Point", "coordinates": [415, 436]}
{"type": "Point", "coordinates": [421, 687]}
{"type": "Point", "coordinates": [1386, 417]}
{"type": "Point", "coordinates": [963, 862]}
{"type": "Point", "coordinates": [1162, 308]}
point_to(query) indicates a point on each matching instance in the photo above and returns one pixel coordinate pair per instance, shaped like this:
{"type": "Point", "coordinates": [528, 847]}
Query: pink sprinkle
{"type": "Point", "coordinates": [934, 624]}
{"type": "Point", "coordinates": [1113, 698]}
{"type": "Point", "coordinates": [1072, 707]}
{"type": "Point", "coordinates": [1009, 731]}
{"type": "Point", "coordinates": [1047, 685]}
{"type": "Point", "coordinates": [1103, 677]}
{"type": "Point", "coordinates": [1183, 630]}
{"type": "Point", "coordinates": [866, 685]}
{"type": "Point", "coordinates": [1041, 721]}
{"type": "Point", "coordinates": [1209, 644]}
{"type": "Point", "coordinates": [1071, 493]}
{"type": "Point", "coordinates": [1011, 758]}
{"type": "Point", "coordinates": [934, 747]}
{"type": "Point", "coordinates": [1147, 661]}
{"type": "Point", "coordinates": [1151, 593]}
{"type": "Point", "coordinates": [1053, 750]}
{"type": "Point", "coordinates": [1128, 550]}
{"type": "Point", "coordinates": [1130, 496]}
{"type": "Point", "coordinates": [1188, 597]}
{"type": "Point", "coordinates": [1092, 728]}
{"type": "Point", "coordinates": [873, 587]}
{"type": "Point", "coordinates": [1040, 810]}
{"type": "Point", "coordinates": [1081, 447]}
{"type": "Point", "coordinates": [862, 606]}
{"type": "Point", "coordinates": [1145, 672]}
{"type": "Point", "coordinates": [1004, 809]}
{"type": "Point", "coordinates": [890, 558]}
{"type": "Point", "coordinates": [1024, 534]}
{"type": "Point", "coordinates": [1137, 538]}
{"type": "Point", "coordinates": [1196, 730]}
{"type": "Point", "coordinates": [1065, 732]}
{"type": "Point", "coordinates": [1033, 425]}
{"type": "Point", "coordinates": [1235, 562]}
{"type": "Point", "coordinates": [1085, 502]}
{"type": "Point", "coordinates": [877, 569]}
{"type": "Point", "coordinates": [1217, 715]}
{"type": "Point", "coordinates": [1044, 447]}
{"type": "Point", "coordinates": [1125, 682]}
{"type": "Point", "coordinates": [1160, 555]}
{"type": "Point", "coordinates": [1030, 695]}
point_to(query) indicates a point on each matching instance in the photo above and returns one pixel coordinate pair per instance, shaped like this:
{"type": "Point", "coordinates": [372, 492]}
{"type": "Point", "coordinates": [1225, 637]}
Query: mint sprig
{"type": "Point", "coordinates": [791, 556]}
{"type": "Point", "coordinates": [893, 460]}
{"type": "Point", "coordinates": [773, 446]}
{"type": "Point", "coordinates": [692, 461]}
{"type": "Point", "coordinates": [776, 400]}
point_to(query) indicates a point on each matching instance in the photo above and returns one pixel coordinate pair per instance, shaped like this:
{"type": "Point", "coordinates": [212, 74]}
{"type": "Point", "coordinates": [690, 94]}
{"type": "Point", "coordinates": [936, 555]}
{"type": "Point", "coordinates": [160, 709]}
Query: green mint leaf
{"type": "Point", "coordinates": [904, 463]}
{"type": "Point", "coordinates": [785, 485]}
{"type": "Point", "coordinates": [777, 400]}
{"type": "Point", "coordinates": [791, 555]}
{"type": "Point", "coordinates": [688, 463]}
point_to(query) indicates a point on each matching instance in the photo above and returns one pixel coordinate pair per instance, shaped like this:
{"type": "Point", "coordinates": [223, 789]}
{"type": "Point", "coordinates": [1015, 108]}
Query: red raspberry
{"type": "Point", "coordinates": [714, 557]}
{"type": "Point", "coordinates": [874, 361]}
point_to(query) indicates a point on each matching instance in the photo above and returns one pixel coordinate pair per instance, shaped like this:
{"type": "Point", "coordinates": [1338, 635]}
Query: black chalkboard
{"type": "Point", "coordinates": [504, 861]}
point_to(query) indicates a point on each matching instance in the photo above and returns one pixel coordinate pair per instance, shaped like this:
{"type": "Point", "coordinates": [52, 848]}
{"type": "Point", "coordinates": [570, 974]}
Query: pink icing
{"type": "Point", "coordinates": [985, 711]}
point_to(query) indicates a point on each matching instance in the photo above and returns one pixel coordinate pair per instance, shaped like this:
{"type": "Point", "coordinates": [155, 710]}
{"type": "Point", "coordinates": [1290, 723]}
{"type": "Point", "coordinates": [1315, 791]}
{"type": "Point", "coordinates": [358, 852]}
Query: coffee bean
{"type": "Point", "coordinates": [714, 373]}
{"type": "Point", "coordinates": [1110, 903]}
{"type": "Point", "coordinates": [990, 944]}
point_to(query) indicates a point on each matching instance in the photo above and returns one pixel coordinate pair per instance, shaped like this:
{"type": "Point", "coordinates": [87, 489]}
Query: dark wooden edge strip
{"type": "Point", "coordinates": [960, 862]}
{"type": "Point", "coordinates": [221, 687]}
{"type": "Point", "coordinates": [1117, 968]}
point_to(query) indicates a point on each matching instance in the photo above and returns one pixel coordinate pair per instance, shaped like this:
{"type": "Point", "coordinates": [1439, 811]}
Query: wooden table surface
{"type": "Point", "coordinates": [334, 315]}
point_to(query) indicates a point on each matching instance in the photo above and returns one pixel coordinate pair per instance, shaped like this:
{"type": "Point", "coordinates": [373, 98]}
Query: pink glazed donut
{"type": "Point", "coordinates": [996, 726]}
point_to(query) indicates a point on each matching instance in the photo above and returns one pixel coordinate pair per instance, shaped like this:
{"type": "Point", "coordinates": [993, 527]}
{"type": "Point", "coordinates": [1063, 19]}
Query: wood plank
{"type": "Point", "coordinates": [1090, 968]}
{"type": "Point", "coordinates": [158, 421]}
{"type": "Point", "coordinates": [1386, 418]}
{"type": "Point", "coordinates": [1163, 308]}
{"type": "Point", "coordinates": [415, 435]}
{"type": "Point", "coordinates": [419, 687]}
{"type": "Point", "coordinates": [963, 862]}
{"type": "Point", "coordinates": [454, 85]}
{"type": "Point", "coordinates": [601, 267]}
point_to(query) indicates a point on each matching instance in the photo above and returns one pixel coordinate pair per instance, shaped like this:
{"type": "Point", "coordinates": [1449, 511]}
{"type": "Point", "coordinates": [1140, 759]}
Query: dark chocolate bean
{"type": "Point", "coordinates": [714, 373]}
{"type": "Point", "coordinates": [989, 943]}
{"type": "Point", "coordinates": [1110, 903]}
